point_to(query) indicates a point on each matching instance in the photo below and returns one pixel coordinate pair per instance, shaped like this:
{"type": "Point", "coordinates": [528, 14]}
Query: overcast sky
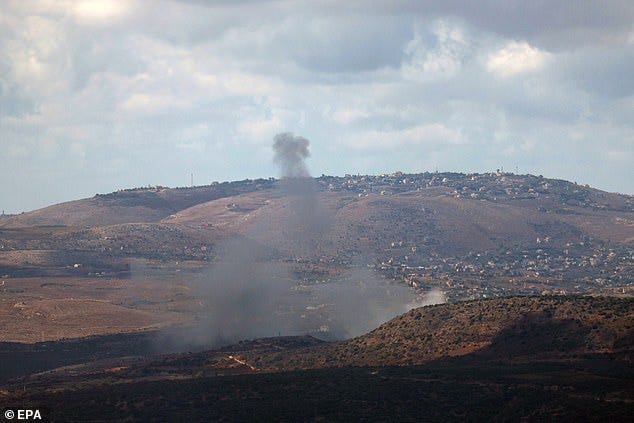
{"type": "Point", "coordinates": [100, 95]}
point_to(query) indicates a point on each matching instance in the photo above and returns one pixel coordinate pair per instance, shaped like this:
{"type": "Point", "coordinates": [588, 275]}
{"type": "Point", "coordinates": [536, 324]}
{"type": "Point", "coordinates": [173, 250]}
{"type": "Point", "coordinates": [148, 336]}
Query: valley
{"type": "Point", "coordinates": [144, 253]}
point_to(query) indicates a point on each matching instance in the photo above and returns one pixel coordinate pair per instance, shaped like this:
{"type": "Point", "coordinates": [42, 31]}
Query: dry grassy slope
{"type": "Point", "coordinates": [144, 239]}
{"type": "Point", "coordinates": [129, 206]}
{"type": "Point", "coordinates": [431, 218]}
{"type": "Point", "coordinates": [125, 238]}
{"type": "Point", "coordinates": [441, 222]}
{"type": "Point", "coordinates": [235, 212]}
{"type": "Point", "coordinates": [545, 338]}
{"type": "Point", "coordinates": [523, 329]}
{"type": "Point", "coordinates": [532, 327]}
{"type": "Point", "coordinates": [87, 212]}
{"type": "Point", "coordinates": [52, 319]}
{"type": "Point", "coordinates": [265, 216]}
{"type": "Point", "coordinates": [456, 225]}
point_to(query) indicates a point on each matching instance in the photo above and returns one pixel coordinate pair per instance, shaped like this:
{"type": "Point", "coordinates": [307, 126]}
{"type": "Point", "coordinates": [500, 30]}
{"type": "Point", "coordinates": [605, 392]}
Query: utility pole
{"type": "Point", "coordinates": [192, 181]}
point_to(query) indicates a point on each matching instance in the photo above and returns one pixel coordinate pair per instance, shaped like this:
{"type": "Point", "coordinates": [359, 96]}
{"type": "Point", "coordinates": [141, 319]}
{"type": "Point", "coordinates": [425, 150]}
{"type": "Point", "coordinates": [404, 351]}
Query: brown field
{"type": "Point", "coordinates": [43, 309]}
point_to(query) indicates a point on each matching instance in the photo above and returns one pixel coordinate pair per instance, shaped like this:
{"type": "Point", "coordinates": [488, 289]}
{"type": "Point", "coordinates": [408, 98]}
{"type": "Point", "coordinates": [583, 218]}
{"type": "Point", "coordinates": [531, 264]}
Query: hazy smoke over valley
{"type": "Point", "coordinates": [360, 301]}
{"type": "Point", "coordinates": [249, 290]}
{"type": "Point", "coordinates": [241, 293]}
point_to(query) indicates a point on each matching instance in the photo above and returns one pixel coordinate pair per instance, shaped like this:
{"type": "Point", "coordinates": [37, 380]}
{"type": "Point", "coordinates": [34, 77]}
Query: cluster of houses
{"type": "Point", "coordinates": [576, 268]}
{"type": "Point", "coordinates": [494, 186]}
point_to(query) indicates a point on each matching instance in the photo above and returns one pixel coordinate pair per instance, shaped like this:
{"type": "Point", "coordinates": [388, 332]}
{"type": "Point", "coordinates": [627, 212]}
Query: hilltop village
{"type": "Point", "coordinates": [579, 264]}
{"type": "Point", "coordinates": [496, 186]}
{"type": "Point", "coordinates": [411, 235]}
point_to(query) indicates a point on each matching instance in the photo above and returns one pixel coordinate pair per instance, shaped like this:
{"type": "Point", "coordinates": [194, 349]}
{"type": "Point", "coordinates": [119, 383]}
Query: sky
{"type": "Point", "coordinates": [100, 95]}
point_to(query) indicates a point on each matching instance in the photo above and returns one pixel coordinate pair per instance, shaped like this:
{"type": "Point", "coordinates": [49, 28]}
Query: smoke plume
{"type": "Point", "coordinates": [290, 154]}
{"type": "Point", "coordinates": [360, 300]}
{"type": "Point", "coordinates": [248, 291]}
{"type": "Point", "coordinates": [241, 293]}
{"type": "Point", "coordinates": [308, 222]}
{"type": "Point", "coordinates": [243, 290]}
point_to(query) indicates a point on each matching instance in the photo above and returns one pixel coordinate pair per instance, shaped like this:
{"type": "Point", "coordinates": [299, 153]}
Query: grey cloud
{"type": "Point", "coordinates": [557, 25]}
{"type": "Point", "coordinates": [14, 101]}
{"type": "Point", "coordinates": [352, 44]}
{"type": "Point", "coordinates": [316, 45]}
{"type": "Point", "coordinates": [194, 23]}
{"type": "Point", "coordinates": [605, 72]}
{"type": "Point", "coordinates": [133, 87]}
{"type": "Point", "coordinates": [100, 52]}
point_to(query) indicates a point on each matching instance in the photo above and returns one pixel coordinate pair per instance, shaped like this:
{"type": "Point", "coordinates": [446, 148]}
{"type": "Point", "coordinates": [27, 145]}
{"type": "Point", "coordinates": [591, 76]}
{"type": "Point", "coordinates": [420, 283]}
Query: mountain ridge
{"type": "Point", "coordinates": [161, 200]}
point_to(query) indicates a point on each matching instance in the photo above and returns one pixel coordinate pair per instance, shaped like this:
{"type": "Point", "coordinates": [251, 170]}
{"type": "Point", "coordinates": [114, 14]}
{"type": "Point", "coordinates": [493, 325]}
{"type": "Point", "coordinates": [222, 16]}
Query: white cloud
{"type": "Point", "coordinates": [241, 83]}
{"type": "Point", "coordinates": [197, 146]}
{"type": "Point", "coordinates": [440, 61]}
{"type": "Point", "coordinates": [93, 11]}
{"type": "Point", "coordinates": [429, 136]}
{"type": "Point", "coordinates": [516, 58]}
{"type": "Point", "coordinates": [211, 82]}
{"type": "Point", "coordinates": [260, 129]}
{"type": "Point", "coordinates": [347, 116]}
{"type": "Point", "coordinates": [148, 104]}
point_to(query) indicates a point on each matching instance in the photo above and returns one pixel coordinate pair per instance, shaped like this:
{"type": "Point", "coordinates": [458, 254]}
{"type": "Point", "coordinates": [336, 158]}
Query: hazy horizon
{"type": "Point", "coordinates": [101, 95]}
{"type": "Point", "coordinates": [201, 184]}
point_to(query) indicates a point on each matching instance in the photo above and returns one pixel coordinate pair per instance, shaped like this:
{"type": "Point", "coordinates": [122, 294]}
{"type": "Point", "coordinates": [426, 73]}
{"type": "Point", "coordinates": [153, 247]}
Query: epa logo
{"type": "Point", "coordinates": [22, 414]}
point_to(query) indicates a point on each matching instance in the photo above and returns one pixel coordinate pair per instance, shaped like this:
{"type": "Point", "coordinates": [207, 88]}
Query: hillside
{"type": "Point", "coordinates": [129, 205]}
{"type": "Point", "coordinates": [462, 236]}
{"type": "Point", "coordinates": [516, 327]}
{"type": "Point", "coordinates": [523, 233]}
{"type": "Point", "coordinates": [508, 358]}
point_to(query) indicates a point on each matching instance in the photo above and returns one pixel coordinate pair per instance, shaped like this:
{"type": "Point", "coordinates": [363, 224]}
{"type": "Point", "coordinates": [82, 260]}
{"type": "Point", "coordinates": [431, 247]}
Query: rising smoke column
{"type": "Point", "coordinates": [290, 154]}
{"type": "Point", "coordinates": [242, 289]}
{"type": "Point", "coordinates": [359, 300]}
{"type": "Point", "coordinates": [309, 222]}
{"type": "Point", "coordinates": [249, 279]}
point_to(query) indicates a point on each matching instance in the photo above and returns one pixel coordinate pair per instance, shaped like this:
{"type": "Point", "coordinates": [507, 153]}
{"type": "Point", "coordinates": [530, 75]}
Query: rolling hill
{"type": "Point", "coordinates": [144, 251]}
{"type": "Point", "coordinates": [510, 358]}
{"type": "Point", "coordinates": [453, 231]}
{"type": "Point", "coordinates": [130, 205]}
